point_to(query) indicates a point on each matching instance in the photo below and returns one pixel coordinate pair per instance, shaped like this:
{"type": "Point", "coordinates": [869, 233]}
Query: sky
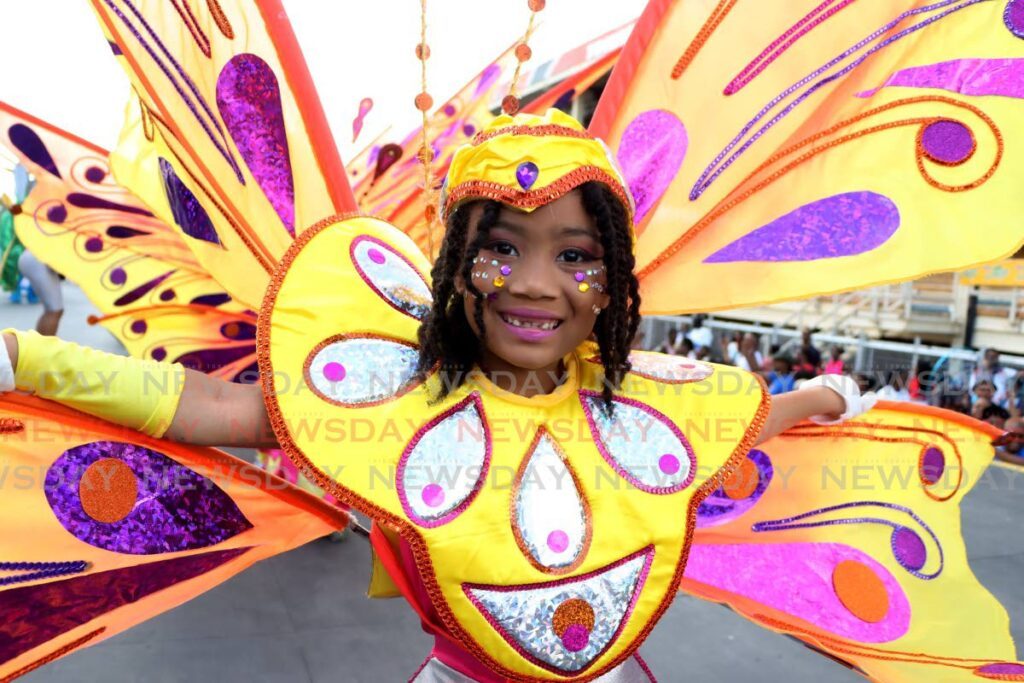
{"type": "Point", "coordinates": [55, 64]}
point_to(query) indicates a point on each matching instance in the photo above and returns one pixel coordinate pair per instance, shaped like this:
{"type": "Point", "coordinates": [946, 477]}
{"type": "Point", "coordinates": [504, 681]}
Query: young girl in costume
{"type": "Point", "coordinates": [538, 490]}
{"type": "Point", "coordinates": [523, 365]}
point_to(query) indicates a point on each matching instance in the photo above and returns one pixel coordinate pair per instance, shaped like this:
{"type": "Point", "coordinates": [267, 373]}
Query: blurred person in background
{"type": "Point", "coordinates": [835, 365]}
{"type": "Point", "coordinates": [989, 368]}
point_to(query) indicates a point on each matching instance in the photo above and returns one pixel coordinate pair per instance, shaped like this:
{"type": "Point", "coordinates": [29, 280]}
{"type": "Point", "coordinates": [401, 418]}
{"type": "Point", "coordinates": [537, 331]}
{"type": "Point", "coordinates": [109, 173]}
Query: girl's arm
{"type": "Point", "coordinates": [796, 406]}
{"type": "Point", "coordinates": [826, 399]}
{"type": "Point", "coordinates": [157, 399]}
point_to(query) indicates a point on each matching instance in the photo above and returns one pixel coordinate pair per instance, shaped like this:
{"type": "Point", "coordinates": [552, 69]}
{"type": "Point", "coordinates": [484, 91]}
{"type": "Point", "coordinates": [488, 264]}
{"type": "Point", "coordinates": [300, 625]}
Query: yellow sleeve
{"type": "Point", "coordinates": [139, 394]}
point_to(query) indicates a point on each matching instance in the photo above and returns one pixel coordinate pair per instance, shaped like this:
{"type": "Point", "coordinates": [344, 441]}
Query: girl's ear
{"type": "Point", "coordinates": [460, 285]}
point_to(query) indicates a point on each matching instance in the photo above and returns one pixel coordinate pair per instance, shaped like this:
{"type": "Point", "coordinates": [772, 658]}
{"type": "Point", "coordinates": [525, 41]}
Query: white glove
{"type": "Point", "coordinates": [6, 369]}
{"type": "Point", "coordinates": [856, 404]}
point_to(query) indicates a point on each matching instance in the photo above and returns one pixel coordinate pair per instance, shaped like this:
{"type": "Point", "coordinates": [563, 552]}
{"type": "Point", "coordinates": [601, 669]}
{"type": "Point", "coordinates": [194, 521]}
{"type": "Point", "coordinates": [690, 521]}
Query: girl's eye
{"type": "Point", "coordinates": [576, 256]}
{"type": "Point", "coordinates": [502, 249]}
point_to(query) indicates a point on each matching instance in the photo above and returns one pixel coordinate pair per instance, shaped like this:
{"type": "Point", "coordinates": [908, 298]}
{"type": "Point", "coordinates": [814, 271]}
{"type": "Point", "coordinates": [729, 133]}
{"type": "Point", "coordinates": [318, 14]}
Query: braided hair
{"type": "Point", "coordinates": [447, 341]}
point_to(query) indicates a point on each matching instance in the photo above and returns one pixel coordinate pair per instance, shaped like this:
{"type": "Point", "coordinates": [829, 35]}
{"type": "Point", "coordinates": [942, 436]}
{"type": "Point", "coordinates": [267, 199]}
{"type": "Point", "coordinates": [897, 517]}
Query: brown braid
{"type": "Point", "coordinates": [446, 338]}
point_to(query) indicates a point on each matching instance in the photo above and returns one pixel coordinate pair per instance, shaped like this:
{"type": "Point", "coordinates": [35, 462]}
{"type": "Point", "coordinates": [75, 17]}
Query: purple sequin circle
{"type": "Point", "coordinates": [95, 174]}
{"type": "Point", "coordinates": [177, 508]}
{"type": "Point", "coordinates": [841, 225]}
{"type": "Point", "coordinates": [526, 174]}
{"type": "Point", "coordinates": [57, 214]}
{"type": "Point", "coordinates": [249, 101]}
{"type": "Point", "coordinates": [933, 465]}
{"type": "Point", "coordinates": [1013, 17]}
{"type": "Point", "coordinates": [139, 327]}
{"type": "Point", "coordinates": [118, 276]}
{"type": "Point", "coordinates": [159, 353]}
{"type": "Point", "coordinates": [947, 142]}
{"type": "Point", "coordinates": [94, 245]}
{"type": "Point", "coordinates": [650, 153]}
{"type": "Point", "coordinates": [908, 548]}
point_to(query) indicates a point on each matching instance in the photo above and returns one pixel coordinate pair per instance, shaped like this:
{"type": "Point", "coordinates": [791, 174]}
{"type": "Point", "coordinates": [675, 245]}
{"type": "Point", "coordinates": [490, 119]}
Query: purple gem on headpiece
{"type": "Point", "coordinates": [527, 174]}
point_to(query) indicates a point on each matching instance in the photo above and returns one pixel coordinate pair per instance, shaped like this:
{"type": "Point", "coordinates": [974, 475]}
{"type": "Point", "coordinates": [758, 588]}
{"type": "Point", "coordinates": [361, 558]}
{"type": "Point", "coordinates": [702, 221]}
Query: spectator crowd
{"type": "Point", "coordinates": [991, 392]}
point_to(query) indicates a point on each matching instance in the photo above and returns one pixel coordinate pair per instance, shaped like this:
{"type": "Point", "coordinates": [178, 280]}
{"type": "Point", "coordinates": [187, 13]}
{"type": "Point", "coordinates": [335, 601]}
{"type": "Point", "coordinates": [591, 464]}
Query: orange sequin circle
{"type": "Point", "coordinates": [861, 591]}
{"type": "Point", "coordinates": [743, 481]}
{"type": "Point", "coordinates": [108, 490]}
{"type": "Point", "coordinates": [574, 611]}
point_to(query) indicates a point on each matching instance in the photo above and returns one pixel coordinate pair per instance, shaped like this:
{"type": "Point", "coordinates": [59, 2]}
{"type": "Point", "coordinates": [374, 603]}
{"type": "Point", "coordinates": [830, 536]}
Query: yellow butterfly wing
{"type": "Point", "coordinates": [767, 157]}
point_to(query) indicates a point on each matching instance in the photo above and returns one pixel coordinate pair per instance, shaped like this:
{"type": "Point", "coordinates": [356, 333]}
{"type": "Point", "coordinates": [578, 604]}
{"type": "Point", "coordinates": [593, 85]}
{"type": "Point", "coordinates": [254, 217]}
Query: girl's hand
{"type": "Point", "coordinates": [853, 403]}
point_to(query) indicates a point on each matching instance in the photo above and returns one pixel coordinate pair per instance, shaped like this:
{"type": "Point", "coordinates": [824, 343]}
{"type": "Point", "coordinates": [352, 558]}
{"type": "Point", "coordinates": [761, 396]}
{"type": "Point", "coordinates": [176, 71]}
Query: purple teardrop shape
{"type": "Point", "coordinates": [527, 174]}
{"type": "Point", "coordinates": [249, 101]}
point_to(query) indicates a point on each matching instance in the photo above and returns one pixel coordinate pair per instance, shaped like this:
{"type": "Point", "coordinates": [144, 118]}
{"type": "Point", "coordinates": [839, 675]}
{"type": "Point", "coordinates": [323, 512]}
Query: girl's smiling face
{"type": "Point", "coordinates": [541, 275]}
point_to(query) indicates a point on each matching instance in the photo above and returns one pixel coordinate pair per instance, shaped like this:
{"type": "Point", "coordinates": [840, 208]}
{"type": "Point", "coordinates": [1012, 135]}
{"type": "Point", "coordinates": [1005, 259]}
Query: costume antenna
{"type": "Point", "coordinates": [510, 103]}
{"type": "Point", "coordinates": [424, 102]}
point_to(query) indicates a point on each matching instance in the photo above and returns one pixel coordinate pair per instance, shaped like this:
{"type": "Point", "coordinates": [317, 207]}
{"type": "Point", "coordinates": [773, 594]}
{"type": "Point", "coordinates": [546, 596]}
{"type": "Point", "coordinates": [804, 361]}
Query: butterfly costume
{"type": "Point", "coordinates": [749, 155]}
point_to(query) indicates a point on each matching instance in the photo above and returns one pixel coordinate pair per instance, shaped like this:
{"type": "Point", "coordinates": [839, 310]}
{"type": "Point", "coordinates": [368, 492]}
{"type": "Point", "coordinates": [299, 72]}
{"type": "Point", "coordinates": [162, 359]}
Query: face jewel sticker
{"type": "Point", "coordinates": [357, 371]}
{"type": "Point", "coordinates": [640, 444]}
{"type": "Point", "coordinates": [392, 276]}
{"type": "Point", "coordinates": [564, 626]}
{"type": "Point", "coordinates": [549, 517]}
{"type": "Point", "coordinates": [445, 464]}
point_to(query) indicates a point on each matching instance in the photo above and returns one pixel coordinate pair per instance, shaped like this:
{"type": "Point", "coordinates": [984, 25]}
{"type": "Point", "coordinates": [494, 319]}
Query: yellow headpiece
{"type": "Point", "coordinates": [526, 161]}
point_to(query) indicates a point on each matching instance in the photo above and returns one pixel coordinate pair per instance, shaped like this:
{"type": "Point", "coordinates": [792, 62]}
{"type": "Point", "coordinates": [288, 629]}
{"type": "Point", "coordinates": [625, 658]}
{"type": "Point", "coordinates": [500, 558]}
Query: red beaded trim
{"type": "Point", "coordinates": [220, 19]}
{"type": "Point", "coordinates": [524, 199]}
{"type": "Point", "coordinates": [56, 654]}
{"type": "Point", "coordinates": [536, 131]}
{"type": "Point", "coordinates": [10, 425]}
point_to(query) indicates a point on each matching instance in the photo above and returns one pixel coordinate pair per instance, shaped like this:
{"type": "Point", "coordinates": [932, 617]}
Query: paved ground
{"type": "Point", "coordinates": [303, 617]}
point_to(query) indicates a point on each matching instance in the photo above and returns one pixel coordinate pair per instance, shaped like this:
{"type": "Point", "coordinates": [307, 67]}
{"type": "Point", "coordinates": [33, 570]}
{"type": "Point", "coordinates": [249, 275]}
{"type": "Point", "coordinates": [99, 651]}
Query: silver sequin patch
{"type": "Point", "coordinates": [550, 516]}
{"type": "Point", "coordinates": [524, 617]}
{"type": "Point", "coordinates": [361, 370]}
{"type": "Point", "coordinates": [669, 368]}
{"type": "Point", "coordinates": [444, 467]}
{"type": "Point", "coordinates": [641, 446]}
{"type": "Point", "coordinates": [391, 276]}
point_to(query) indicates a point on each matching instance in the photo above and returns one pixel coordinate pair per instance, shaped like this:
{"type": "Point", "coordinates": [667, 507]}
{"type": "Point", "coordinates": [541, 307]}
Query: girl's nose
{"type": "Point", "coordinates": [534, 279]}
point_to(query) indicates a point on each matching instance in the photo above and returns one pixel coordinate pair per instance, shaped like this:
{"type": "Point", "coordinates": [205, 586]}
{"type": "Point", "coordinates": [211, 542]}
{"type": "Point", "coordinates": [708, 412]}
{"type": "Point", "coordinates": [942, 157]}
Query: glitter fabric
{"type": "Point", "coordinates": [976, 77]}
{"type": "Point", "coordinates": [549, 516]}
{"type": "Point", "coordinates": [1000, 670]}
{"type": "Point", "coordinates": [38, 613]}
{"type": "Point", "coordinates": [176, 508]}
{"type": "Point", "coordinates": [392, 276]}
{"type": "Point", "coordinates": [650, 154]}
{"type": "Point", "coordinates": [451, 452]}
{"type": "Point", "coordinates": [26, 141]}
{"type": "Point", "coordinates": [841, 225]}
{"type": "Point", "coordinates": [634, 441]}
{"type": "Point", "coordinates": [947, 142]}
{"type": "Point", "coordinates": [524, 615]}
{"type": "Point", "coordinates": [357, 371]}
{"type": "Point", "coordinates": [249, 101]}
{"type": "Point", "coordinates": [1013, 17]}
{"type": "Point", "coordinates": [108, 490]}
{"type": "Point", "coordinates": [719, 508]}
{"type": "Point", "coordinates": [933, 465]}
{"type": "Point", "coordinates": [188, 213]}
{"type": "Point", "coordinates": [796, 579]}
{"type": "Point", "coordinates": [908, 548]}
{"type": "Point", "coordinates": [670, 369]}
